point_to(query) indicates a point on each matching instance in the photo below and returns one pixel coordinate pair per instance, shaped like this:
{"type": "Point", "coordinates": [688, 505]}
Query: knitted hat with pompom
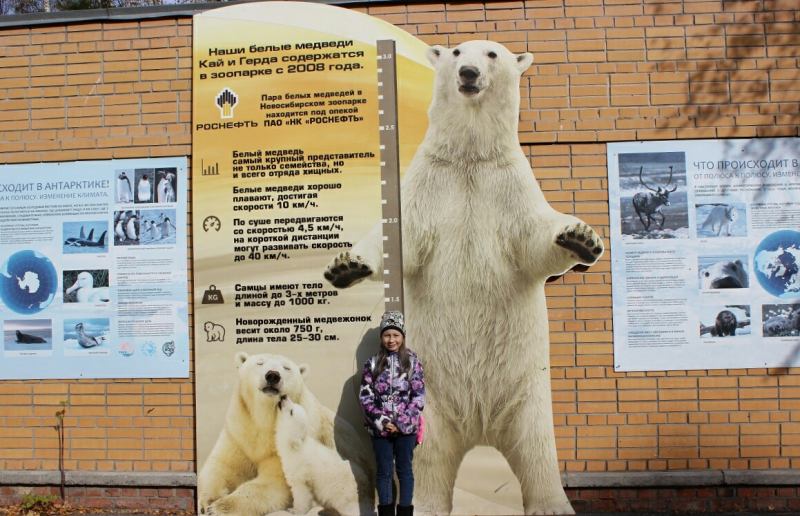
{"type": "Point", "coordinates": [393, 321]}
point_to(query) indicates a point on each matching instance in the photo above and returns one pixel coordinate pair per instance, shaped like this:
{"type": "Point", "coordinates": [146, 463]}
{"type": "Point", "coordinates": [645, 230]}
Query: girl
{"type": "Point", "coordinates": [392, 397]}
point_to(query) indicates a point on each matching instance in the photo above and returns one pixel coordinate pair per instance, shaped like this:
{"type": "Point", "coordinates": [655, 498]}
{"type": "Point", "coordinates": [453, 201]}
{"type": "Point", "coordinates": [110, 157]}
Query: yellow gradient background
{"type": "Point", "coordinates": [333, 365]}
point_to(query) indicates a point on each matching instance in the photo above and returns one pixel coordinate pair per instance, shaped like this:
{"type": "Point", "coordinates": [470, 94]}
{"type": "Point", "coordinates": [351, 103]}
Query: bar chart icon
{"type": "Point", "coordinates": [211, 170]}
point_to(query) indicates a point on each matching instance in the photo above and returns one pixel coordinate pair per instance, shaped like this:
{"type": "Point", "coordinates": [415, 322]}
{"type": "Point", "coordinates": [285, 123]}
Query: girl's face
{"type": "Point", "coordinates": [391, 340]}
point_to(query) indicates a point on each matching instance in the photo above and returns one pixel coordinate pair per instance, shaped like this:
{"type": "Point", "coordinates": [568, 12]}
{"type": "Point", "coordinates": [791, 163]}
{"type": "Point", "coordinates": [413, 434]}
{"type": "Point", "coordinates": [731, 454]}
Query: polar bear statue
{"type": "Point", "coordinates": [243, 475]}
{"type": "Point", "coordinates": [315, 471]}
{"type": "Point", "coordinates": [479, 242]}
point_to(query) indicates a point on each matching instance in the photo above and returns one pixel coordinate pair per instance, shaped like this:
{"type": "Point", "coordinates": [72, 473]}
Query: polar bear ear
{"type": "Point", "coordinates": [524, 61]}
{"type": "Point", "coordinates": [241, 357]}
{"type": "Point", "coordinates": [434, 53]}
{"type": "Point", "coordinates": [304, 368]}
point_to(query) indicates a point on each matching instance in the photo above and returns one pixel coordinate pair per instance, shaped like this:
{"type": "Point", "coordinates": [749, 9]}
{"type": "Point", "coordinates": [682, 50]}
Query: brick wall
{"type": "Point", "coordinates": [87, 92]}
{"type": "Point", "coordinates": [604, 71]}
{"type": "Point", "coordinates": [110, 498]}
{"type": "Point", "coordinates": [686, 500]}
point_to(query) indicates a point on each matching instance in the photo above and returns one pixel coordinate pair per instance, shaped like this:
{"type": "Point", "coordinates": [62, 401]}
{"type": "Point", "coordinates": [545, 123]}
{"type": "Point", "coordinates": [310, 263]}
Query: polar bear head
{"type": "Point", "coordinates": [477, 71]}
{"type": "Point", "coordinates": [292, 425]}
{"type": "Point", "coordinates": [272, 376]}
{"type": "Point", "coordinates": [474, 112]}
{"type": "Point", "coordinates": [724, 275]}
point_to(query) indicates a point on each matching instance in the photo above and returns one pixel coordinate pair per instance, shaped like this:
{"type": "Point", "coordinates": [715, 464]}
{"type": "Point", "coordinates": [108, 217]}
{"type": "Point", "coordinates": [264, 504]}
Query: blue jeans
{"type": "Point", "coordinates": [395, 450]}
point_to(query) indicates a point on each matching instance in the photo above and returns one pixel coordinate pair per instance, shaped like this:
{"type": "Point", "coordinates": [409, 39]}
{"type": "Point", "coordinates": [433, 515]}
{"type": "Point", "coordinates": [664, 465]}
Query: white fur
{"type": "Point", "coordinates": [479, 243]}
{"type": "Point", "coordinates": [243, 475]}
{"type": "Point", "coordinates": [721, 217]}
{"type": "Point", "coordinates": [734, 271]}
{"type": "Point", "coordinates": [315, 471]}
{"type": "Point", "coordinates": [165, 191]}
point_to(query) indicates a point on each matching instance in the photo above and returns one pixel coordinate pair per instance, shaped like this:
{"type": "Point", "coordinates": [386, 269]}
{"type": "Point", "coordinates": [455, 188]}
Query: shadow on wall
{"type": "Point", "coordinates": [349, 408]}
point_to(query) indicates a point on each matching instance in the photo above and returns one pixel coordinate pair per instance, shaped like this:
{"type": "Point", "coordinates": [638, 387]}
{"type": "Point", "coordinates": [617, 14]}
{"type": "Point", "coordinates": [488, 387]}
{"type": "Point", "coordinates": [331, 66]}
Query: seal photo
{"type": "Point", "coordinates": [26, 338]}
{"type": "Point", "coordinates": [84, 339]}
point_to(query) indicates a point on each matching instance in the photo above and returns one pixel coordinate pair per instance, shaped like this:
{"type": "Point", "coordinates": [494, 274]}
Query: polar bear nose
{"type": "Point", "coordinates": [469, 73]}
{"type": "Point", "coordinates": [273, 377]}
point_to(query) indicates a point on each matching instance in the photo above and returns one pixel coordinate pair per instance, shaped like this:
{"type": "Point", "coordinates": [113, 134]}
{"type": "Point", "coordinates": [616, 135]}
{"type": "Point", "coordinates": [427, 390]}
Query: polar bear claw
{"type": "Point", "coordinates": [581, 240]}
{"type": "Point", "coordinates": [346, 270]}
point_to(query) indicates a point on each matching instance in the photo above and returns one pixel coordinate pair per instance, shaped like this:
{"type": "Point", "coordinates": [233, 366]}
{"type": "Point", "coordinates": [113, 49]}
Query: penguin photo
{"type": "Point", "coordinates": [124, 191]}
{"type": "Point", "coordinates": [144, 185]}
{"type": "Point", "coordinates": [159, 223]}
{"type": "Point", "coordinates": [119, 228]}
{"type": "Point", "coordinates": [167, 185]}
{"type": "Point", "coordinates": [126, 227]}
{"type": "Point", "coordinates": [155, 232]}
{"type": "Point", "coordinates": [131, 230]}
{"type": "Point", "coordinates": [144, 228]}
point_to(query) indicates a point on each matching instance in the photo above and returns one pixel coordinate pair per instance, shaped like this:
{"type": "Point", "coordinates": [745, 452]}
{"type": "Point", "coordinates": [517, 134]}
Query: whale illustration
{"type": "Point", "coordinates": [26, 338]}
{"type": "Point", "coordinates": [87, 242]}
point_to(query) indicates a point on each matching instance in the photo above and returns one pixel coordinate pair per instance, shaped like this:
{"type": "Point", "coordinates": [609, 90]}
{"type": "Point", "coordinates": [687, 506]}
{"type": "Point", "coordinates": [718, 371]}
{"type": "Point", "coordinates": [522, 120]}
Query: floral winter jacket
{"type": "Point", "coordinates": [391, 398]}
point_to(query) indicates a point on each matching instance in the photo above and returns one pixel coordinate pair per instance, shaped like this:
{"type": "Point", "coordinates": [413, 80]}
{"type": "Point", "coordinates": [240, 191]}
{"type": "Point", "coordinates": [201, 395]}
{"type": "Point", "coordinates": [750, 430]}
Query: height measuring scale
{"type": "Point", "coordinates": [390, 177]}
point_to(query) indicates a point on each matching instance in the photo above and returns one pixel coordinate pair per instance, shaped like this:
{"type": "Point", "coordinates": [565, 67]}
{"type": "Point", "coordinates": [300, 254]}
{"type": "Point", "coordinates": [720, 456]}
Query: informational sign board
{"type": "Point", "coordinates": [294, 149]}
{"type": "Point", "coordinates": [705, 239]}
{"type": "Point", "coordinates": [93, 279]}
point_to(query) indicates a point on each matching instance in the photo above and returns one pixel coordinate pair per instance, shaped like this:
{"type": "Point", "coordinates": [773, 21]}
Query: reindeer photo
{"type": "Point", "coordinates": [653, 195]}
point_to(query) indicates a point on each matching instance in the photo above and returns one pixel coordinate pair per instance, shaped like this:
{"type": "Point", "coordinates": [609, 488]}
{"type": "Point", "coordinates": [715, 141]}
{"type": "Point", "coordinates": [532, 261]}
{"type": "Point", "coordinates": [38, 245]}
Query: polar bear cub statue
{"type": "Point", "coordinates": [479, 242]}
{"type": "Point", "coordinates": [244, 475]}
{"type": "Point", "coordinates": [313, 470]}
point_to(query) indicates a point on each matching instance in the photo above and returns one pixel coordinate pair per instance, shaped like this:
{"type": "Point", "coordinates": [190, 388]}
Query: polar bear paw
{"type": "Point", "coordinates": [346, 270]}
{"type": "Point", "coordinates": [559, 508]}
{"type": "Point", "coordinates": [581, 240]}
{"type": "Point", "coordinates": [219, 508]}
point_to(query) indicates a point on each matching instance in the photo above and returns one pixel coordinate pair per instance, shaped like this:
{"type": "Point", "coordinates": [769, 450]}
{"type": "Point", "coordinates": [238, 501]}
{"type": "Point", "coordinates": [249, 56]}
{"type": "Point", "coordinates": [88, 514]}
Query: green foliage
{"type": "Point", "coordinates": [21, 6]}
{"type": "Point", "coordinates": [60, 414]}
{"type": "Point", "coordinates": [77, 5]}
{"type": "Point", "coordinates": [38, 503]}
{"type": "Point", "coordinates": [36, 6]}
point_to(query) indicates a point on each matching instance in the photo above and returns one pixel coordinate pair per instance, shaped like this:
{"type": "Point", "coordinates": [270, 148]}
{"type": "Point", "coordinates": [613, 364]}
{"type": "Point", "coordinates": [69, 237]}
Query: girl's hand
{"type": "Point", "coordinates": [391, 428]}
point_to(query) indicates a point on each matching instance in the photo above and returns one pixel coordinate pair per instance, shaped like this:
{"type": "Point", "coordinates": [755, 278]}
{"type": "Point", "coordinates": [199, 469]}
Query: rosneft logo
{"type": "Point", "coordinates": [226, 101]}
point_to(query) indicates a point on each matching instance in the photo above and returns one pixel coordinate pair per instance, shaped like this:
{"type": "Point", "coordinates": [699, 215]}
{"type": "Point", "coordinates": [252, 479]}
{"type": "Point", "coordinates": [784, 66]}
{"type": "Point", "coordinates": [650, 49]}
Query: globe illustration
{"type": "Point", "coordinates": [777, 264]}
{"type": "Point", "coordinates": [28, 282]}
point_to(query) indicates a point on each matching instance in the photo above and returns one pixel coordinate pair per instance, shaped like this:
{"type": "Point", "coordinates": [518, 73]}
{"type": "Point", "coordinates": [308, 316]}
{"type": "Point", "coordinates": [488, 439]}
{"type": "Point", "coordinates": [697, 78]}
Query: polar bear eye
{"type": "Point", "coordinates": [492, 55]}
{"type": "Point", "coordinates": [260, 362]}
{"type": "Point", "coordinates": [287, 368]}
{"type": "Point", "coordinates": [456, 52]}
{"type": "Point", "coordinates": [706, 274]}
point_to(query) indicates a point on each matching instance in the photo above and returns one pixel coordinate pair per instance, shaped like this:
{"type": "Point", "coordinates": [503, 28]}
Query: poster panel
{"type": "Point", "coordinates": [93, 279]}
{"type": "Point", "coordinates": [706, 240]}
{"type": "Point", "coordinates": [288, 174]}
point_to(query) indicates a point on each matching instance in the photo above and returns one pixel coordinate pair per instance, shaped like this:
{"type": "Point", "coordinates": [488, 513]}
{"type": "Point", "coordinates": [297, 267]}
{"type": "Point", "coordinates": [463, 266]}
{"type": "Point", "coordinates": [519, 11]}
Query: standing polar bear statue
{"type": "Point", "coordinates": [479, 242]}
